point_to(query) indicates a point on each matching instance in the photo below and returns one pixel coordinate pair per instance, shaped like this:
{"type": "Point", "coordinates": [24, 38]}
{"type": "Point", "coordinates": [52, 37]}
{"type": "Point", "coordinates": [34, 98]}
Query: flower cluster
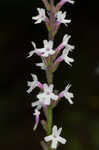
{"type": "Point", "coordinates": [50, 59]}
{"type": "Point", "coordinates": [47, 96]}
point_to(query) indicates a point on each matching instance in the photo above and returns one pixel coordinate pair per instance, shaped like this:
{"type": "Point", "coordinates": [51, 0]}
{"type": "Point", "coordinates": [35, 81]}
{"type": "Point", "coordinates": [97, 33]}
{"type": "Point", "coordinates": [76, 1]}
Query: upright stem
{"type": "Point", "coordinates": [52, 20]}
{"type": "Point", "coordinates": [49, 72]}
{"type": "Point", "coordinates": [50, 81]}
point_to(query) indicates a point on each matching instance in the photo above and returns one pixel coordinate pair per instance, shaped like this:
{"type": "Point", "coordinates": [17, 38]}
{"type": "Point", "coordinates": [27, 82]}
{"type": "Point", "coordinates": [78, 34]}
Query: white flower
{"type": "Point", "coordinates": [67, 94]}
{"type": "Point", "coordinates": [32, 84]}
{"type": "Point", "coordinates": [35, 83]}
{"type": "Point", "coordinates": [55, 137]}
{"type": "Point", "coordinates": [47, 95]}
{"type": "Point", "coordinates": [61, 17]}
{"type": "Point", "coordinates": [67, 48]}
{"type": "Point", "coordinates": [45, 52]}
{"type": "Point", "coordinates": [40, 103]}
{"type": "Point", "coordinates": [36, 114]}
{"type": "Point", "coordinates": [65, 41]}
{"type": "Point", "coordinates": [48, 48]}
{"type": "Point", "coordinates": [41, 16]}
{"type": "Point", "coordinates": [65, 57]}
{"type": "Point", "coordinates": [37, 51]}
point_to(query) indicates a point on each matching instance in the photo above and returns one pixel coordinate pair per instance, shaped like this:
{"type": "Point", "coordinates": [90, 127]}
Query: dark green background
{"type": "Point", "coordinates": [80, 121]}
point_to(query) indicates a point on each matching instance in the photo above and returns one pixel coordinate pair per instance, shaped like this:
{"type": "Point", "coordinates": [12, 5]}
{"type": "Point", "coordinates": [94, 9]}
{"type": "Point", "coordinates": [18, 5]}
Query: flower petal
{"type": "Point", "coordinates": [59, 131]}
{"type": "Point", "coordinates": [48, 138]}
{"type": "Point", "coordinates": [54, 130]}
{"type": "Point", "coordinates": [61, 140]}
{"type": "Point", "coordinates": [35, 103]}
{"type": "Point", "coordinates": [54, 144]}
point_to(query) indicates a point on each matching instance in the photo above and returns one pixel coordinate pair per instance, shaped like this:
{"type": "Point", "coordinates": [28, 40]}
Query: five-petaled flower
{"type": "Point", "coordinates": [68, 95]}
{"type": "Point", "coordinates": [33, 84]}
{"type": "Point", "coordinates": [41, 16]}
{"type": "Point", "coordinates": [61, 18]}
{"type": "Point", "coordinates": [55, 137]}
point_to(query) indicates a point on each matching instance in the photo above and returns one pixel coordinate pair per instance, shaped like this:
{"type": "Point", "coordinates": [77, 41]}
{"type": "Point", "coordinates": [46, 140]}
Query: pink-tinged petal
{"type": "Point", "coordinates": [57, 23]}
{"type": "Point", "coordinates": [48, 138]}
{"type": "Point", "coordinates": [47, 20]}
{"type": "Point", "coordinates": [39, 54]}
{"type": "Point", "coordinates": [62, 140]}
{"type": "Point", "coordinates": [62, 2]}
{"type": "Point", "coordinates": [40, 85]}
{"type": "Point", "coordinates": [61, 94]}
{"type": "Point", "coordinates": [36, 122]}
{"type": "Point", "coordinates": [60, 47]}
{"type": "Point", "coordinates": [59, 59]}
{"type": "Point", "coordinates": [44, 106]}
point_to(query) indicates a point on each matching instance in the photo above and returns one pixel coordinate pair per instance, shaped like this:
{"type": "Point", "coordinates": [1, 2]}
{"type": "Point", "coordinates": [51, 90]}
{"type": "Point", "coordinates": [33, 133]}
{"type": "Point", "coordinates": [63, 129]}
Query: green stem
{"type": "Point", "coordinates": [50, 80]}
{"type": "Point", "coordinates": [49, 120]}
{"type": "Point", "coordinates": [49, 77]}
{"type": "Point", "coordinates": [49, 73]}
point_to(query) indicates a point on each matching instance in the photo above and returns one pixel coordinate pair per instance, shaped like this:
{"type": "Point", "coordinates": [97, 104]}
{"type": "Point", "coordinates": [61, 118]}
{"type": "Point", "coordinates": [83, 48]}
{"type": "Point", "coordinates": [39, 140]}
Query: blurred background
{"type": "Point", "coordinates": [80, 121]}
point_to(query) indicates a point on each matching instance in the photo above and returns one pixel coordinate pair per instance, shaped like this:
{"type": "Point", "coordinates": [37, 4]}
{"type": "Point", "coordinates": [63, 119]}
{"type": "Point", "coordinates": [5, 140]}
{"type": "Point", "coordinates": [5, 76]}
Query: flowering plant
{"type": "Point", "coordinates": [48, 98]}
